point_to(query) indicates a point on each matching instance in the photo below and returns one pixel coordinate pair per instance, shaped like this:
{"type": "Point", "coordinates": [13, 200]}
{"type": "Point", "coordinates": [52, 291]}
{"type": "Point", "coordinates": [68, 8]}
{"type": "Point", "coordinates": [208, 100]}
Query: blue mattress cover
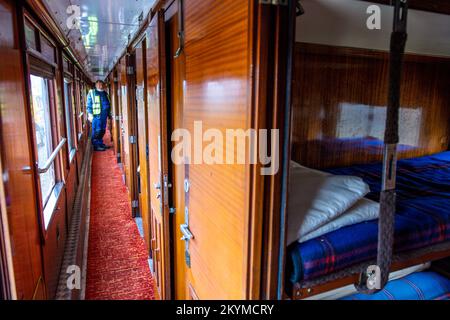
{"type": "Point", "coordinates": [422, 219]}
{"type": "Point", "coordinates": [426, 285]}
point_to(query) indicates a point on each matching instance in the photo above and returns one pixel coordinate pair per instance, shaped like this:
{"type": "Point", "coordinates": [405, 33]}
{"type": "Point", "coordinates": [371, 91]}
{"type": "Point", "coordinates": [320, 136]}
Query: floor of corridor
{"type": "Point", "coordinates": [117, 266]}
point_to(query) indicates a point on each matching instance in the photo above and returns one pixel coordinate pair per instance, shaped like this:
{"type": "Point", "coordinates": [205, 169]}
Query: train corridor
{"type": "Point", "coordinates": [117, 265]}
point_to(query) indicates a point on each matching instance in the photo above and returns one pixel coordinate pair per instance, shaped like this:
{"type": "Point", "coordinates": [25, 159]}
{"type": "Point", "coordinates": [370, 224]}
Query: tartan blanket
{"type": "Point", "coordinates": [425, 285]}
{"type": "Point", "coordinates": [422, 219]}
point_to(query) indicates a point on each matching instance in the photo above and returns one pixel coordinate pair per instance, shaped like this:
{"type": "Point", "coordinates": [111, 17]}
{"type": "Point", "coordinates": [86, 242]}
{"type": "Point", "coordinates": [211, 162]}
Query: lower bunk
{"type": "Point", "coordinates": [426, 285]}
{"type": "Point", "coordinates": [321, 261]}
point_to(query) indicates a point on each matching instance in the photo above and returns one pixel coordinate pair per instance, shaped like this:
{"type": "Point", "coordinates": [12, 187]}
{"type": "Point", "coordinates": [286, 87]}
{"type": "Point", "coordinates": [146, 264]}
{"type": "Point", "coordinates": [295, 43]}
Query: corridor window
{"type": "Point", "coordinates": [69, 118]}
{"type": "Point", "coordinates": [43, 132]}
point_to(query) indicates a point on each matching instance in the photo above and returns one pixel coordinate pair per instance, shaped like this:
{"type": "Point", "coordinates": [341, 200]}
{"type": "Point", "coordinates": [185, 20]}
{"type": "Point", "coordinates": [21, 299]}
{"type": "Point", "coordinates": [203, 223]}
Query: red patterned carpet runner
{"type": "Point", "coordinates": [117, 267]}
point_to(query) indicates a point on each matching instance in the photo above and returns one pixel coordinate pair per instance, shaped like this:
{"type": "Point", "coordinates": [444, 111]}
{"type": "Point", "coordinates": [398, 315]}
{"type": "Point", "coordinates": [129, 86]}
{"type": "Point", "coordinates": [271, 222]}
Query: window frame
{"type": "Point", "coordinates": [39, 65]}
{"type": "Point", "coordinates": [79, 107]}
{"type": "Point", "coordinates": [48, 131]}
{"type": "Point", "coordinates": [47, 206]}
{"type": "Point", "coordinates": [69, 118]}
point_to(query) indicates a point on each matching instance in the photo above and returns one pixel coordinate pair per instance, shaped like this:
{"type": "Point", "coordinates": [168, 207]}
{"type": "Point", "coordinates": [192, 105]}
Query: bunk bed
{"type": "Point", "coordinates": [335, 129]}
{"type": "Point", "coordinates": [422, 224]}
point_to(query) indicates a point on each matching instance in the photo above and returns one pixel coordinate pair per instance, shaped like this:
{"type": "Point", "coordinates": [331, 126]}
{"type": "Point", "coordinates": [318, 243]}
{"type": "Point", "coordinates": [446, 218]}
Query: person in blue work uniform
{"type": "Point", "coordinates": [99, 111]}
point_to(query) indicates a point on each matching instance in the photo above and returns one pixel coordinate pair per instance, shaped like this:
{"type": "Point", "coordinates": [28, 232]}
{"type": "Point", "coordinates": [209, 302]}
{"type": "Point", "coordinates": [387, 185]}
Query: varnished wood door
{"type": "Point", "coordinates": [158, 154]}
{"type": "Point", "coordinates": [217, 91]}
{"type": "Point", "coordinates": [141, 98]}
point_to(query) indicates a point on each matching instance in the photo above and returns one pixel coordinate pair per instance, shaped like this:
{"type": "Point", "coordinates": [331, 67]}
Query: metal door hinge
{"type": "Point", "coordinates": [133, 139]}
{"type": "Point", "coordinates": [130, 71]}
{"type": "Point", "coordinates": [275, 2]}
{"type": "Point", "coordinates": [135, 204]}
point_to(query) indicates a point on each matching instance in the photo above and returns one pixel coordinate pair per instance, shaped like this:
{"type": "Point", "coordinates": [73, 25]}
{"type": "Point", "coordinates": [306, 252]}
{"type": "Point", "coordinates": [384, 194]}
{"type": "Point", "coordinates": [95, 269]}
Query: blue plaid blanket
{"type": "Point", "coordinates": [422, 219]}
{"type": "Point", "coordinates": [416, 286]}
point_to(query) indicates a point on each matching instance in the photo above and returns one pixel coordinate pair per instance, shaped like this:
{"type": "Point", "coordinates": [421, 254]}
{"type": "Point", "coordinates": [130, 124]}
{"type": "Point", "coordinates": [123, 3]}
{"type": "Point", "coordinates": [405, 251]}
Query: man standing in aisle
{"type": "Point", "coordinates": [99, 110]}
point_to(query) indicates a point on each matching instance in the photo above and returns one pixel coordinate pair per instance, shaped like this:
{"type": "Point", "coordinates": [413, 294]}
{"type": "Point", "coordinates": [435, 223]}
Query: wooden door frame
{"type": "Point", "coordinates": [117, 114]}
{"type": "Point", "coordinates": [165, 163]}
{"type": "Point", "coordinates": [157, 17]}
{"type": "Point", "coordinates": [142, 41]}
{"type": "Point", "coordinates": [171, 9]}
{"type": "Point", "coordinates": [274, 44]}
{"type": "Point", "coordinates": [132, 128]}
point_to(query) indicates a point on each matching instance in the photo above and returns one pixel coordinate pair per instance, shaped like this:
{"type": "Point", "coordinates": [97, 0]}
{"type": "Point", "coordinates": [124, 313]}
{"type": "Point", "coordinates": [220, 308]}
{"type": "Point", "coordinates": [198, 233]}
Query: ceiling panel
{"type": "Point", "coordinates": [104, 29]}
{"type": "Point", "coordinates": [343, 23]}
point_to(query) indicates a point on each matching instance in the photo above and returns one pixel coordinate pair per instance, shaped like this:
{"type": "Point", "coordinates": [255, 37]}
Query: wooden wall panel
{"type": "Point", "coordinates": [71, 189]}
{"type": "Point", "coordinates": [54, 246]}
{"type": "Point", "coordinates": [16, 148]}
{"type": "Point", "coordinates": [7, 34]}
{"type": "Point", "coordinates": [339, 103]}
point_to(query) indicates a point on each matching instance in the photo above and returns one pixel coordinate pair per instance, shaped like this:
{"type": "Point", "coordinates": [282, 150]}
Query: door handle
{"type": "Point", "coordinates": [27, 170]}
{"type": "Point", "coordinates": [187, 234]}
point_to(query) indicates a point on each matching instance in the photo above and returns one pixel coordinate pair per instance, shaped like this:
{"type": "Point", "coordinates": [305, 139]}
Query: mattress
{"type": "Point", "coordinates": [422, 219]}
{"type": "Point", "coordinates": [425, 285]}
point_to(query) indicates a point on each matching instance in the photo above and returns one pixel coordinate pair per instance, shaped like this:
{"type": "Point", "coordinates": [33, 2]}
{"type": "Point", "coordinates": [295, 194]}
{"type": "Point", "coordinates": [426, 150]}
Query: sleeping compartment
{"type": "Point", "coordinates": [340, 93]}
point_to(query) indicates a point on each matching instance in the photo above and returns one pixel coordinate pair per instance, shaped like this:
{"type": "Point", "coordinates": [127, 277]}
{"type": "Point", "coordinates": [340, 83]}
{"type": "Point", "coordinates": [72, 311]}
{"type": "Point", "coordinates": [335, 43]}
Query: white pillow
{"type": "Point", "coordinates": [363, 210]}
{"type": "Point", "coordinates": [316, 198]}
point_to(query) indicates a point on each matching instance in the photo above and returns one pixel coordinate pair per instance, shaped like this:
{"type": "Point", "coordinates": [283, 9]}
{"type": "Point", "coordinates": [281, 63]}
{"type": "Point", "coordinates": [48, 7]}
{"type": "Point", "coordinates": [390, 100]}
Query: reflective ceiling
{"type": "Point", "coordinates": [99, 30]}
